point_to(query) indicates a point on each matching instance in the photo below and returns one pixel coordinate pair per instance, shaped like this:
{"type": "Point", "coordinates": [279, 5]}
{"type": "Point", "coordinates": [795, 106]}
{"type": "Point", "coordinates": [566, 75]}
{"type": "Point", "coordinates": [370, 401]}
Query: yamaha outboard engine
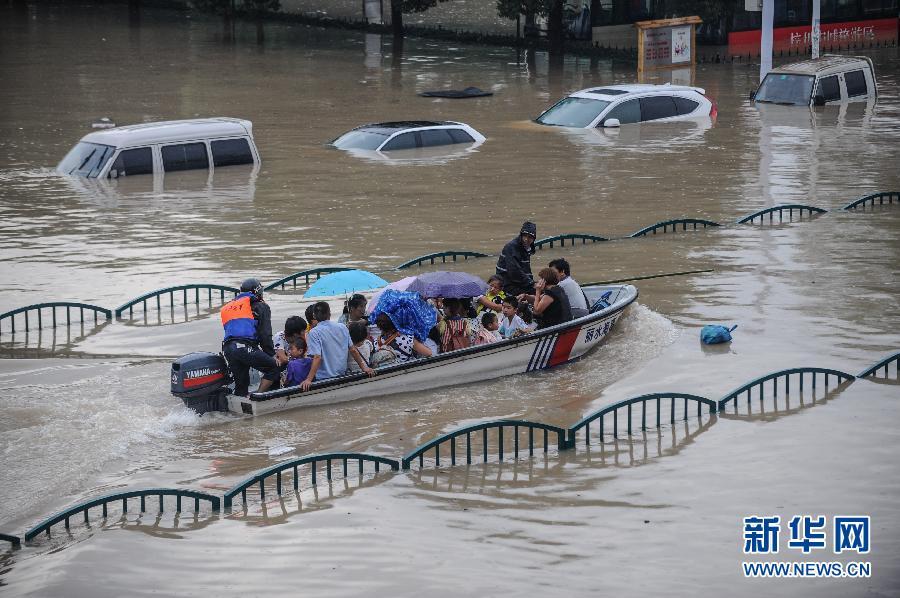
{"type": "Point", "coordinates": [201, 380]}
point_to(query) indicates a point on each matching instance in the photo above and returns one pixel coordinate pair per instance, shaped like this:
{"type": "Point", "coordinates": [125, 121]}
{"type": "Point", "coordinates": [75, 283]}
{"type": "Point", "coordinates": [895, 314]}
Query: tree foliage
{"type": "Point", "coordinates": [229, 7]}
{"type": "Point", "coordinates": [510, 9]}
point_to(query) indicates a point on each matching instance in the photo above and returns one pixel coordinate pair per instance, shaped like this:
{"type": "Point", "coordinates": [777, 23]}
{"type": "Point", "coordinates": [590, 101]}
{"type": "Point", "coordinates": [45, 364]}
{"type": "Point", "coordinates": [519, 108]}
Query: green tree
{"type": "Point", "coordinates": [552, 9]}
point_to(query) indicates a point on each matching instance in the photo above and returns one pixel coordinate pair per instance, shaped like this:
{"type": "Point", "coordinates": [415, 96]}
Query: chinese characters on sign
{"type": "Point", "coordinates": [657, 47]}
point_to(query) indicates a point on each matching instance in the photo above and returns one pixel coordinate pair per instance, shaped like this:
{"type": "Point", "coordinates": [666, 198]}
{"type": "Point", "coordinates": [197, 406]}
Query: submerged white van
{"type": "Point", "coordinates": [830, 79]}
{"type": "Point", "coordinates": [162, 147]}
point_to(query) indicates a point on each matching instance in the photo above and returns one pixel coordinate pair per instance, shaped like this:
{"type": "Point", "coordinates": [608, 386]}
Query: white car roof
{"type": "Point", "coordinates": [826, 65]}
{"type": "Point", "coordinates": [171, 131]}
{"type": "Point", "coordinates": [614, 92]}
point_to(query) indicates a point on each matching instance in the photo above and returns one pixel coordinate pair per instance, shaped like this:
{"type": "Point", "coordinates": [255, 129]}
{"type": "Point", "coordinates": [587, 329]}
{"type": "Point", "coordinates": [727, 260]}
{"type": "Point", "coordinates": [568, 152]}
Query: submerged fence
{"type": "Point", "coordinates": [192, 293]}
{"type": "Point", "coordinates": [482, 442]}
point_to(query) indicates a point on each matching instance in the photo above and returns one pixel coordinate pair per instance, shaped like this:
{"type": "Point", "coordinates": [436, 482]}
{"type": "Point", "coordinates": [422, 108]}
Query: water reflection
{"type": "Point", "coordinates": [647, 138]}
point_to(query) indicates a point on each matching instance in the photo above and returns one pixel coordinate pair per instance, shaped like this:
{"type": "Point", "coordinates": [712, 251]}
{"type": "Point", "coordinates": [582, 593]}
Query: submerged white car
{"type": "Point", "coordinates": [162, 147]}
{"type": "Point", "coordinates": [827, 80]}
{"type": "Point", "coordinates": [407, 135]}
{"type": "Point", "coordinates": [615, 105]}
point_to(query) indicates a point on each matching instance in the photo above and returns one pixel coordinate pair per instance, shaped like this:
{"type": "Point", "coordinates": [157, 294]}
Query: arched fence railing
{"type": "Point", "coordinates": [38, 308]}
{"type": "Point", "coordinates": [783, 375]}
{"type": "Point", "coordinates": [442, 255]}
{"type": "Point", "coordinates": [885, 197]}
{"type": "Point", "coordinates": [672, 226]}
{"type": "Point", "coordinates": [780, 210]}
{"type": "Point", "coordinates": [184, 289]}
{"type": "Point", "coordinates": [883, 364]}
{"type": "Point", "coordinates": [500, 425]}
{"type": "Point", "coordinates": [656, 413]}
{"type": "Point", "coordinates": [103, 502]}
{"type": "Point", "coordinates": [571, 237]}
{"type": "Point", "coordinates": [305, 275]}
{"type": "Point", "coordinates": [14, 540]}
{"type": "Point", "coordinates": [259, 478]}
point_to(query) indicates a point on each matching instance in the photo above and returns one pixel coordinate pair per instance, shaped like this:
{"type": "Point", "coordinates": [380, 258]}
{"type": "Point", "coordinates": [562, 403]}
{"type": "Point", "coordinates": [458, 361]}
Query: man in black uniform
{"type": "Point", "coordinates": [248, 337]}
{"type": "Point", "coordinates": [514, 263]}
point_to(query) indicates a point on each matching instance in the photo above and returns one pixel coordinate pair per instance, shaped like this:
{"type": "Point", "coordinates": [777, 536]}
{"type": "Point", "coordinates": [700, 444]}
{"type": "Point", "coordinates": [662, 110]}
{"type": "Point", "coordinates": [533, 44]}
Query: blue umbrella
{"type": "Point", "coordinates": [342, 283]}
{"type": "Point", "coordinates": [448, 284]}
{"type": "Point", "coordinates": [408, 311]}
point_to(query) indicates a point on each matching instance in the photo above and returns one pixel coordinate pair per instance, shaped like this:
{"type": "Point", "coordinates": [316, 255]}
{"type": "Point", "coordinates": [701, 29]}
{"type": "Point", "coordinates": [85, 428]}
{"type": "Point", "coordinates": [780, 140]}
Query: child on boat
{"type": "Point", "coordinates": [359, 336]}
{"type": "Point", "coordinates": [493, 299]}
{"type": "Point", "coordinates": [511, 323]}
{"type": "Point", "coordinates": [524, 312]}
{"type": "Point", "coordinates": [298, 366]}
{"type": "Point", "coordinates": [487, 332]}
{"type": "Point", "coordinates": [455, 328]}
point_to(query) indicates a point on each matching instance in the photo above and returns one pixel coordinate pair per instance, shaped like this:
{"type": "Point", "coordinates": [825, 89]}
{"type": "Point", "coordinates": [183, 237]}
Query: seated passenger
{"type": "Point", "coordinates": [577, 301]}
{"type": "Point", "coordinates": [311, 322]}
{"type": "Point", "coordinates": [510, 322]}
{"type": "Point", "coordinates": [294, 327]}
{"type": "Point", "coordinates": [493, 299]}
{"type": "Point", "coordinates": [403, 346]}
{"type": "Point", "coordinates": [354, 310]}
{"type": "Point", "coordinates": [524, 312]}
{"type": "Point", "coordinates": [299, 364]}
{"type": "Point", "coordinates": [456, 330]}
{"type": "Point", "coordinates": [359, 335]}
{"type": "Point", "coordinates": [329, 344]}
{"type": "Point", "coordinates": [487, 333]}
{"type": "Point", "coordinates": [433, 342]}
{"type": "Point", "coordinates": [550, 303]}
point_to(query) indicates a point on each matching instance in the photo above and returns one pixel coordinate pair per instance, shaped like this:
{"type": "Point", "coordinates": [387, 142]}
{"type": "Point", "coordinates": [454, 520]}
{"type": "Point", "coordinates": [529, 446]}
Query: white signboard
{"type": "Point", "coordinates": [681, 44]}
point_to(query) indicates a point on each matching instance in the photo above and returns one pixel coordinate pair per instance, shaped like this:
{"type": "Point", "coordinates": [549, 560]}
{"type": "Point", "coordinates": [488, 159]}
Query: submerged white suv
{"type": "Point", "coordinates": [615, 105]}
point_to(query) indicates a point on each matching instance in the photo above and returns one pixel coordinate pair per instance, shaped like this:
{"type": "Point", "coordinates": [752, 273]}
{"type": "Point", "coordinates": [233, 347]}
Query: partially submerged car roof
{"type": "Point", "coordinates": [171, 131]}
{"type": "Point", "coordinates": [824, 65]}
{"type": "Point", "coordinates": [389, 128]}
{"type": "Point", "coordinates": [611, 92]}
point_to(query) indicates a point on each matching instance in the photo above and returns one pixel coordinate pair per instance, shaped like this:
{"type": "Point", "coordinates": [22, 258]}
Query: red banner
{"type": "Point", "coordinates": [833, 34]}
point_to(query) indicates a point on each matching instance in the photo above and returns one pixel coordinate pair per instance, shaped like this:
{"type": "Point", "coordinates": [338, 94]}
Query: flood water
{"type": "Point", "coordinates": [87, 410]}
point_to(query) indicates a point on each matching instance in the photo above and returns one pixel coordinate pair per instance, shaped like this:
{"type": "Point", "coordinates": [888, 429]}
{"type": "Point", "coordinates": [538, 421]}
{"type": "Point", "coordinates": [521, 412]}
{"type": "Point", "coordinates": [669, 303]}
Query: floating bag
{"type": "Point", "coordinates": [712, 334]}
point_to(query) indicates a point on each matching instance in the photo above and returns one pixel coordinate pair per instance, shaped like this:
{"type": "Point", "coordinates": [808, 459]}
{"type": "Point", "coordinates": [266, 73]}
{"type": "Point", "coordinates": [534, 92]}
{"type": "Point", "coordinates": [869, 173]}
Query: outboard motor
{"type": "Point", "coordinates": [201, 380]}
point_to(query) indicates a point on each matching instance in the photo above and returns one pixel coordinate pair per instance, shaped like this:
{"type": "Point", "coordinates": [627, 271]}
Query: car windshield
{"type": "Point", "coordinates": [366, 140]}
{"type": "Point", "coordinates": [780, 88]}
{"type": "Point", "coordinates": [573, 112]}
{"type": "Point", "coordinates": [86, 159]}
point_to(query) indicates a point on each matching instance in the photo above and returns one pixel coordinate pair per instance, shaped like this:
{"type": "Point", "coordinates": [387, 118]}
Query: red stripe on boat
{"type": "Point", "coordinates": [191, 382]}
{"type": "Point", "coordinates": [563, 347]}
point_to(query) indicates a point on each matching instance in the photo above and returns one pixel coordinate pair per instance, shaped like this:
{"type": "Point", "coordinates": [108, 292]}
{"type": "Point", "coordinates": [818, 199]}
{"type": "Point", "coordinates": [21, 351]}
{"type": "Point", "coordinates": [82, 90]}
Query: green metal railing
{"type": "Point", "coordinates": [171, 291]}
{"type": "Point", "coordinates": [38, 309]}
{"type": "Point", "coordinates": [655, 398]}
{"type": "Point", "coordinates": [784, 375]}
{"type": "Point", "coordinates": [666, 225]}
{"type": "Point", "coordinates": [103, 502]}
{"type": "Point", "coordinates": [885, 364]}
{"type": "Point", "coordinates": [571, 237]}
{"type": "Point", "coordinates": [305, 275]}
{"type": "Point", "coordinates": [780, 210]}
{"type": "Point", "coordinates": [443, 255]}
{"type": "Point", "coordinates": [885, 197]}
{"type": "Point", "coordinates": [14, 540]}
{"type": "Point", "coordinates": [500, 425]}
{"type": "Point", "coordinates": [259, 478]}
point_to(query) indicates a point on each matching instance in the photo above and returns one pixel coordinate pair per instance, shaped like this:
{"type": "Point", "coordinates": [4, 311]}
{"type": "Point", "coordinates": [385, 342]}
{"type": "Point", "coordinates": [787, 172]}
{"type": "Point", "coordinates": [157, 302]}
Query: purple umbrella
{"type": "Point", "coordinates": [448, 284]}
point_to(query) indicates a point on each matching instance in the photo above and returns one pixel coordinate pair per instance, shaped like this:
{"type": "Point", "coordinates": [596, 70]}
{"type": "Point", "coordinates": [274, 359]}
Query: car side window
{"type": "Point", "coordinates": [400, 142]}
{"type": "Point", "coordinates": [627, 113]}
{"type": "Point", "coordinates": [433, 137]}
{"type": "Point", "coordinates": [186, 156]}
{"type": "Point", "coordinates": [656, 107]}
{"type": "Point", "coordinates": [460, 136]}
{"type": "Point", "coordinates": [230, 152]}
{"type": "Point", "coordinates": [133, 161]}
{"type": "Point", "coordinates": [829, 88]}
{"type": "Point", "coordinates": [856, 84]}
{"type": "Point", "coordinates": [684, 105]}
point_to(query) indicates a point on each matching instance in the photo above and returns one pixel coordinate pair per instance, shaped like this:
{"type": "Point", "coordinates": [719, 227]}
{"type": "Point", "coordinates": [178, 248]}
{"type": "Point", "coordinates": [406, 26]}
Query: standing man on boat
{"type": "Point", "coordinates": [514, 263]}
{"type": "Point", "coordinates": [247, 321]}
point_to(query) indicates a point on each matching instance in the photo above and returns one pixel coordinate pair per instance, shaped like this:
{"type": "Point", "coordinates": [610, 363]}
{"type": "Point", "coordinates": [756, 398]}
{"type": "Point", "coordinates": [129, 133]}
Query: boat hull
{"type": "Point", "coordinates": [541, 350]}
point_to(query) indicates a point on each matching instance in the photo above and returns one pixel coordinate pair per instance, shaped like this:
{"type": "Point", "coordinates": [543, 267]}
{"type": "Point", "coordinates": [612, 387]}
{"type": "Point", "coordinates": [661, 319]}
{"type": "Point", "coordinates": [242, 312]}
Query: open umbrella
{"type": "Point", "coordinates": [448, 284]}
{"type": "Point", "coordinates": [398, 285]}
{"type": "Point", "coordinates": [344, 282]}
{"type": "Point", "coordinates": [408, 311]}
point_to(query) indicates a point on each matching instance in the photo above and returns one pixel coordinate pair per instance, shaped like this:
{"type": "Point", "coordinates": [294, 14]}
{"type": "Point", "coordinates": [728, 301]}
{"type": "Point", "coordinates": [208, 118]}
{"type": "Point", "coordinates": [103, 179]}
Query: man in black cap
{"type": "Point", "coordinates": [514, 263]}
{"type": "Point", "coordinates": [247, 322]}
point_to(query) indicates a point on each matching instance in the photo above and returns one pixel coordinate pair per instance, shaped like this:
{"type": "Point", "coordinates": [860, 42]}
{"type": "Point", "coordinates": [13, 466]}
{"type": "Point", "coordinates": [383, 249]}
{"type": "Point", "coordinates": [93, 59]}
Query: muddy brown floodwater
{"type": "Point", "coordinates": [87, 411]}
